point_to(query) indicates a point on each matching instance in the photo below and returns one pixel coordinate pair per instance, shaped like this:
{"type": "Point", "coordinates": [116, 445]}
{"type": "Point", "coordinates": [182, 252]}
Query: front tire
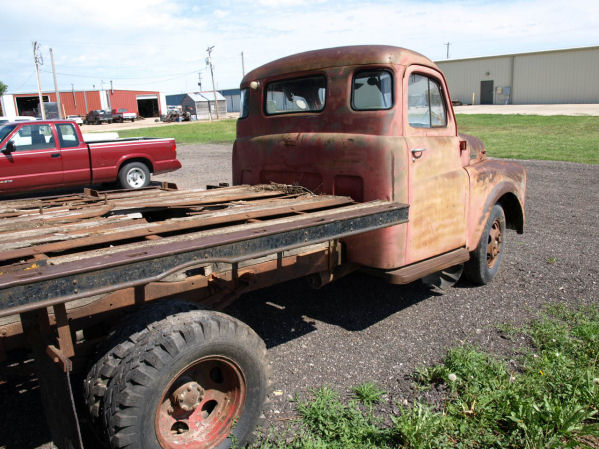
{"type": "Point", "coordinates": [485, 260]}
{"type": "Point", "coordinates": [134, 175]}
{"type": "Point", "coordinates": [197, 380]}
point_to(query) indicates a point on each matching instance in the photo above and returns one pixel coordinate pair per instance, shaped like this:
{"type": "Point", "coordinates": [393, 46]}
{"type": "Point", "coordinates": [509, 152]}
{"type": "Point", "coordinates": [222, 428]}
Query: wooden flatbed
{"type": "Point", "coordinates": [122, 248]}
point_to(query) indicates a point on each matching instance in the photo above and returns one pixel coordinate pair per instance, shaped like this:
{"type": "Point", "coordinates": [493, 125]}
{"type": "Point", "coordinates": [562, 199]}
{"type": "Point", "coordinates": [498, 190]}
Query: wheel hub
{"type": "Point", "coordinates": [188, 396]}
{"type": "Point", "coordinates": [494, 245]}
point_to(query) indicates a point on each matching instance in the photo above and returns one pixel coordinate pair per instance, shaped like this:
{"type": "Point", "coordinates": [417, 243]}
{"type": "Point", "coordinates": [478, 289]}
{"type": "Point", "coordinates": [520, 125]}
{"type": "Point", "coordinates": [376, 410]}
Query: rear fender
{"type": "Point", "coordinates": [495, 182]}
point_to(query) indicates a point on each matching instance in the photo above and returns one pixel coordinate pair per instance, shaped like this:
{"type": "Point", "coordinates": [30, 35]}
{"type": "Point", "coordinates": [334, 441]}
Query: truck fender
{"type": "Point", "coordinates": [137, 157]}
{"type": "Point", "coordinates": [506, 195]}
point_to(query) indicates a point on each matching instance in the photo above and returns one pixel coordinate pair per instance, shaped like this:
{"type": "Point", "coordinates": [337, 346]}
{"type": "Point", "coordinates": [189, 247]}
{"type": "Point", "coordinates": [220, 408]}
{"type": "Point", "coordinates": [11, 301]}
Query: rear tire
{"type": "Point", "coordinates": [485, 260]}
{"type": "Point", "coordinates": [134, 175]}
{"type": "Point", "coordinates": [197, 380]}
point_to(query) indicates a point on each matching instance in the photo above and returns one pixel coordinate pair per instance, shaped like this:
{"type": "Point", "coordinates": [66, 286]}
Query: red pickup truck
{"type": "Point", "coordinates": [47, 154]}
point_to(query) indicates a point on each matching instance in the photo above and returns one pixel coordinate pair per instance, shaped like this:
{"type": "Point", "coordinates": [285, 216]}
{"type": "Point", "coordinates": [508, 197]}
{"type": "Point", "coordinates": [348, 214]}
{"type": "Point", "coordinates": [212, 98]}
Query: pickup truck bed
{"type": "Point", "coordinates": [61, 249]}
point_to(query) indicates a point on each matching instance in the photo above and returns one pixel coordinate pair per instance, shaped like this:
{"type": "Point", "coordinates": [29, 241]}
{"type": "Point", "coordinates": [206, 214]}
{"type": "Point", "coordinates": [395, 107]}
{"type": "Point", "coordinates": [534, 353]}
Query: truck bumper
{"type": "Point", "coordinates": [166, 166]}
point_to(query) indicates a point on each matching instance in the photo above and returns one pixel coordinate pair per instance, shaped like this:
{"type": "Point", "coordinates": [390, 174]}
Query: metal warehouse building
{"type": "Point", "coordinates": [144, 103]}
{"type": "Point", "coordinates": [546, 77]}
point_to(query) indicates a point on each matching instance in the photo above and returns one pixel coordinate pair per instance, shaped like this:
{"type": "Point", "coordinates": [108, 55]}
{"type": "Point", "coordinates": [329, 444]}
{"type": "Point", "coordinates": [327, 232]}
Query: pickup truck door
{"type": "Point", "coordinates": [438, 183]}
{"type": "Point", "coordinates": [36, 161]}
{"type": "Point", "coordinates": [75, 155]}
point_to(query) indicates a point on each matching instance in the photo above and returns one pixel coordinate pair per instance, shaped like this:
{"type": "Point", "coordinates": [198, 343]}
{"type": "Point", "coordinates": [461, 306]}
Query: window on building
{"type": "Point", "coordinates": [426, 107]}
{"type": "Point", "coordinates": [33, 137]}
{"type": "Point", "coordinates": [296, 95]}
{"type": "Point", "coordinates": [372, 90]}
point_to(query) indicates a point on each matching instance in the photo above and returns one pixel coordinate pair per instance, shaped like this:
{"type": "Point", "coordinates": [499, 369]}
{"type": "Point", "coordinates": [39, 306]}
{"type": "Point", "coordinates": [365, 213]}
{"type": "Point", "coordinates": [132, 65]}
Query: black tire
{"type": "Point", "coordinates": [134, 175]}
{"type": "Point", "coordinates": [485, 260]}
{"type": "Point", "coordinates": [110, 354]}
{"type": "Point", "coordinates": [443, 280]}
{"type": "Point", "coordinates": [157, 368]}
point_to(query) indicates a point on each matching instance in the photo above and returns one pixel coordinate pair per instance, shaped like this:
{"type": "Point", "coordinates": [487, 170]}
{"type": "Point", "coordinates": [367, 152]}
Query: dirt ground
{"type": "Point", "coordinates": [360, 329]}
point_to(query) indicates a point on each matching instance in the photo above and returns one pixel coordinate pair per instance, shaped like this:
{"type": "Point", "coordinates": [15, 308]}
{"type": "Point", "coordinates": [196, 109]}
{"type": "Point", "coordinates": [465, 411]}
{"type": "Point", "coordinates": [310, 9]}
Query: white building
{"type": "Point", "coordinates": [545, 77]}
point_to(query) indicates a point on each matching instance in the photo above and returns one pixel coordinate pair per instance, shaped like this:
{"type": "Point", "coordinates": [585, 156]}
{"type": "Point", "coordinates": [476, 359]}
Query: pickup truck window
{"type": "Point", "coordinates": [5, 131]}
{"type": "Point", "coordinates": [244, 104]}
{"type": "Point", "coordinates": [33, 137]}
{"type": "Point", "coordinates": [426, 108]}
{"type": "Point", "coordinates": [296, 95]}
{"type": "Point", "coordinates": [67, 135]}
{"type": "Point", "coordinates": [372, 90]}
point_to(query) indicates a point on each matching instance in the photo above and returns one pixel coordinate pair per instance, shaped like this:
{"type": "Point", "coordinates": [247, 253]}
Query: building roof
{"type": "Point", "coordinates": [205, 96]}
{"type": "Point", "coordinates": [518, 54]}
{"type": "Point", "coordinates": [338, 57]}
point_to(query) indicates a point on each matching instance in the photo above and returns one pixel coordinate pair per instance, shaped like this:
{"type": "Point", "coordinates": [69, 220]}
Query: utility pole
{"type": "Point", "coordinates": [200, 80]}
{"type": "Point", "coordinates": [242, 65]}
{"type": "Point", "coordinates": [209, 63]}
{"type": "Point", "coordinates": [58, 104]}
{"type": "Point", "coordinates": [447, 45]}
{"type": "Point", "coordinates": [110, 97]}
{"type": "Point", "coordinates": [74, 98]}
{"type": "Point", "coordinates": [39, 61]}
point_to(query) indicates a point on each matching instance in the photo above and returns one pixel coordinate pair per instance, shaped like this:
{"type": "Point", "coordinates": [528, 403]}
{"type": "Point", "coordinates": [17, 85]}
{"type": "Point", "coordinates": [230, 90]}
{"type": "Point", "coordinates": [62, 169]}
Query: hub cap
{"type": "Point", "coordinates": [136, 178]}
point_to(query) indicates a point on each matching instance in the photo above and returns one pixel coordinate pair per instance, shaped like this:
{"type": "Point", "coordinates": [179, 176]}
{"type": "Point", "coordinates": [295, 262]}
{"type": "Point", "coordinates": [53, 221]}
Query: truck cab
{"type": "Point", "coordinates": [376, 122]}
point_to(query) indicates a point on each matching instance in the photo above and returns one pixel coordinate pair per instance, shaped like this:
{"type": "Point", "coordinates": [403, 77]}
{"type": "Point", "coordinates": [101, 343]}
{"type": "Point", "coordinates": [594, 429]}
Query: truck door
{"type": "Point", "coordinates": [438, 184]}
{"type": "Point", "coordinates": [35, 161]}
{"type": "Point", "coordinates": [75, 155]}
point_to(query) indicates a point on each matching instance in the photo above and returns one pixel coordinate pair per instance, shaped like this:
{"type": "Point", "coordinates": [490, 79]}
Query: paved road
{"type": "Point", "coordinates": [361, 329]}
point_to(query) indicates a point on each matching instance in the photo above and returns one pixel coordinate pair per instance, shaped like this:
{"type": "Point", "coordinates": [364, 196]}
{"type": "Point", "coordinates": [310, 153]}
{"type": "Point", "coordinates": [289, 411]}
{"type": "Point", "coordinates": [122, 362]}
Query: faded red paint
{"type": "Point", "coordinates": [369, 155]}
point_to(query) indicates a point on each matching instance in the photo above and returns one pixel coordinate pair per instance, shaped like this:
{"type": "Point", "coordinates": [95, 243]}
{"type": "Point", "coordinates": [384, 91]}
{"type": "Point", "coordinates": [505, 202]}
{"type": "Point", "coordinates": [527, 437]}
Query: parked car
{"type": "Point", "coordinates": [120, 115]}
{"type": "Point", "coordinates": [34, 158]}
{"type": "Point", "coordinates": [75, 118]}
{"type": "Point", "coordinates": [98, 117]}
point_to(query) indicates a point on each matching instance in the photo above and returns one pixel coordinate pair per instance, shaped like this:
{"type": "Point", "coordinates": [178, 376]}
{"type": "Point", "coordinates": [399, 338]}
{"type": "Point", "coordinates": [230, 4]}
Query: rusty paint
{"type": "Point", "coordinates": [368, 154]}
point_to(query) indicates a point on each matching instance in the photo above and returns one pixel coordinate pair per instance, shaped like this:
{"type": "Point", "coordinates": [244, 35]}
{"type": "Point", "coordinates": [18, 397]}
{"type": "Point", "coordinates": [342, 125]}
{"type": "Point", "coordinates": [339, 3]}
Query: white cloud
{"type": "Point", "coordinates": [163, 43]}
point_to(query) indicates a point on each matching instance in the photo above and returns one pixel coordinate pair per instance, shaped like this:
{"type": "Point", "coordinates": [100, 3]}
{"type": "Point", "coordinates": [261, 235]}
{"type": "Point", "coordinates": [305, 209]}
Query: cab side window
{"type": "Point", "coordinates": [426, 106]}
{"type": "Point", "coordinates": [67, 135]}
{"type": "Point", "coordinates": [33, 137]}
{"type": "Point", "coordinates": [372, 90]}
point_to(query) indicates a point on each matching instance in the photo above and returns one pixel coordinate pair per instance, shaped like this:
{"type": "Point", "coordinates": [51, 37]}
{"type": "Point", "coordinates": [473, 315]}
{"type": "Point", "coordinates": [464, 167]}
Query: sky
{"type": "Point", "coordinates": [161, 44]}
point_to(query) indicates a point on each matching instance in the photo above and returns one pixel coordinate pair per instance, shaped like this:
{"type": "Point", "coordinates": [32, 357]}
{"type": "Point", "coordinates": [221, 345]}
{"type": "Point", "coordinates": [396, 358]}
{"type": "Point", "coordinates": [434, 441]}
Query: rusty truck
{"type": "Point", "coordinates": [346, 159]}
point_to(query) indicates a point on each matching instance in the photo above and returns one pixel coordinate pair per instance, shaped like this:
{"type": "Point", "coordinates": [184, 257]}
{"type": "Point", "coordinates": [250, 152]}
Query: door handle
{"type": "Point", "coordinates": [417, 153]}
{"type": "Point", "coordinates": [55, 155]}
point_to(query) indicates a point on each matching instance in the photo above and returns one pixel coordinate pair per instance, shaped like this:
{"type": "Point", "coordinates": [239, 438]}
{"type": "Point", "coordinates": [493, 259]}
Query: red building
{"type": "Point", "coordinates": [144, 103]}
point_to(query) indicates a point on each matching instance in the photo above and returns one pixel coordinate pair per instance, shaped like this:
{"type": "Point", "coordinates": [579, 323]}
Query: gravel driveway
{"type": "Point", "coordinates": [360, 329]}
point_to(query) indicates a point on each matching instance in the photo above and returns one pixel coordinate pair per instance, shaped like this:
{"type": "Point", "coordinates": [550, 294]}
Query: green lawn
{"type": "Point", "coordinates": [222, 131]}
{"type": "Point", "coordinates": [546, 398]}
{"type": "Point", "coordinates": [557, 138]}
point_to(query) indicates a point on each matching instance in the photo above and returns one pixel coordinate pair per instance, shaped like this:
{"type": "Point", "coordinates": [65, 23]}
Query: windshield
{"type": "Point", "coordinates": [5, 131]}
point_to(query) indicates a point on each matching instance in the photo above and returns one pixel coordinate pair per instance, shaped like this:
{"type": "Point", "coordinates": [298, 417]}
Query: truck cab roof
{"type": "Point", "coordinates": [353, 55]}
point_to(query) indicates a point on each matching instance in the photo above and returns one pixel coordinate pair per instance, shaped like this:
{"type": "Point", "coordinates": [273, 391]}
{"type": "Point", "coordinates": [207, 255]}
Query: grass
{"type": "Point", "coordinates": [222, 131]}
{"type": "Point", "coordinates": [548, 399]}
{"type": "Point", "coordinates": [557, 138]}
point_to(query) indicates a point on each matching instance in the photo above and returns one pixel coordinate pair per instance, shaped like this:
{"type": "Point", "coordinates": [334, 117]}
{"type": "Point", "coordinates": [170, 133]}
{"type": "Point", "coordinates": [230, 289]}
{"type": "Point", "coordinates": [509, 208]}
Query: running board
{"type": "Point", "coordinates": [410, 273]}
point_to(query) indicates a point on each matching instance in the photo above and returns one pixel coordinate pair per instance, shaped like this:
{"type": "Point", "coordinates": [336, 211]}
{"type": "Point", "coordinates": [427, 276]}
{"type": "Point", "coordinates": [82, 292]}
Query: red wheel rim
{"type": "Point", "coordinates": [201, 404]}
{"type": "Point", "coordinates": [494, 244]}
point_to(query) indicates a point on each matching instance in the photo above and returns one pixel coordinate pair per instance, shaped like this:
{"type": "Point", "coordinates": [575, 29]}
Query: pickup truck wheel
{"type": "Point", "coordinates": [197, 380]}
{"type": "Point", "coordinates": [443, 280]}
{"type": "Point", "coordinates": [134, 175]}
{"type": "Point", "coordinates": [485, 259]}
{"type": "Point", "coordinates": [110, 354]}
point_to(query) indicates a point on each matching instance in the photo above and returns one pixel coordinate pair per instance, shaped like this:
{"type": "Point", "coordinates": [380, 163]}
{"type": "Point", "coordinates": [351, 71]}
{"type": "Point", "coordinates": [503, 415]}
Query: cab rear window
{"type": "Point", "coordinates": [295, 95]}
{"type": "Point", "coordinates": [372, 90]}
